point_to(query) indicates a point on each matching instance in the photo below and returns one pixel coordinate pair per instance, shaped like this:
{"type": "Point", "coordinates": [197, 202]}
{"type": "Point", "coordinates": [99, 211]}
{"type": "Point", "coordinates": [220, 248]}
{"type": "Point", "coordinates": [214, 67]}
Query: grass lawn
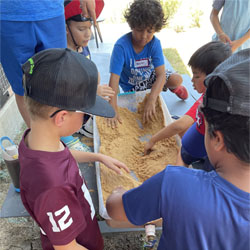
{"type": "Point", "coordinates": [175, 60]}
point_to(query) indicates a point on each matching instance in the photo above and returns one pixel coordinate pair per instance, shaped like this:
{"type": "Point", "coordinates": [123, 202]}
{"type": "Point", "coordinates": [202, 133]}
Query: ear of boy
{"type": "Point", "coordinates": [218, 141]}
{"type": "Point", "coordinates": [60, 118]}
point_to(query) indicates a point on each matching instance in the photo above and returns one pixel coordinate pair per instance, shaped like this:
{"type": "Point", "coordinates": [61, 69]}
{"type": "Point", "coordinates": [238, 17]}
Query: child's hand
{"type": "Point", "coordinates": [113, 122]}
{"type": "Point", "coordinates": [113, 164]}
{"type": "Point", "coordinates": [105, 91]}
{"type": "Point", "coordinates": [224, 38]}
{"type": "Point", "coordinates": [149, 111]}
{"type": "Point", "coordinates": [148, 147]}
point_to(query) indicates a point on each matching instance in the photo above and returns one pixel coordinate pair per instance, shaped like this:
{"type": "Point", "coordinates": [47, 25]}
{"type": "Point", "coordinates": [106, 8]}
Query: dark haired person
{"type": "Point", "coordinates": [137, 61]}
{"type": "Point", "coordinates": [203, 210]}
{"type": "Point", "coordinates": [202, 62]}
{"type": "Point", "coordinates": [78, 30]}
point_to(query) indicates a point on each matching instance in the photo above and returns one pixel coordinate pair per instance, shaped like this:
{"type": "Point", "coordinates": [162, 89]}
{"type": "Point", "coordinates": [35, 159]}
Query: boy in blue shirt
{"type": "Point", "coordinates": [203, 210]}
{"type": "Point", "coordinates": [137, 61]}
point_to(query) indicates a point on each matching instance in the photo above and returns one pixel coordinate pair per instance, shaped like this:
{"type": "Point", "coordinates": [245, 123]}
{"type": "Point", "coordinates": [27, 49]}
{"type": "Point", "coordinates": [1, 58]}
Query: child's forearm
{"type": "Point", "coordinates": [159, 82]}
{"type": "Point", "coordinates": [114, 84]}
{"type": "Point", "coordinates": [174, 128]}
{"type": "Point", "coordinates": [244, 38]}
{"type": "Point", "coordinates": [85, 156]}
{"type": "Point", "coordinates": [166, 132]}
{"type": "Point", "coordinates": [108, 161]}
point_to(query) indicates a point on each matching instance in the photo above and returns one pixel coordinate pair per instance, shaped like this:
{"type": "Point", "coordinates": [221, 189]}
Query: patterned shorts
{"type": "Point", "coordinates": [147, 84]}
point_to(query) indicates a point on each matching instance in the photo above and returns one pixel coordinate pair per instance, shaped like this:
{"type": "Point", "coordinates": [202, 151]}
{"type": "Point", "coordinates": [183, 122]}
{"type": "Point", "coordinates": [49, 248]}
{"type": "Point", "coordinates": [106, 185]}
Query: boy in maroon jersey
{"type": "Point", "coordinates": [60, 86]}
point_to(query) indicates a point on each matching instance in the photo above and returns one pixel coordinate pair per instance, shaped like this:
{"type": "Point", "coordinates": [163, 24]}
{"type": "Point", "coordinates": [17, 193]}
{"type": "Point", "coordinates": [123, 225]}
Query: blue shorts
{"type": "Point", "coordinates": [21, 40]}
{"type": "Point", "coordinates": [193, 147]}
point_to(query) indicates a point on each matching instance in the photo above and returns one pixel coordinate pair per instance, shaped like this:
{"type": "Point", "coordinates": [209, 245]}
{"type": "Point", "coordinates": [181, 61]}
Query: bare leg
{"type": "Point", "coordinates": [174, 85]}
{"type": "Point", "coordinates": [174, 81]}
{"type": "Point", "coordinates": [22, 109]}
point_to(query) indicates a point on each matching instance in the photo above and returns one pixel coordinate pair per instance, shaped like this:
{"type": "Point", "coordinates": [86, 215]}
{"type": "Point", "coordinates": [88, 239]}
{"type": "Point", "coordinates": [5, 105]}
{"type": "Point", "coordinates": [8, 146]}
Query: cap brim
{"type": "Point", "coordinates": [101, 108]}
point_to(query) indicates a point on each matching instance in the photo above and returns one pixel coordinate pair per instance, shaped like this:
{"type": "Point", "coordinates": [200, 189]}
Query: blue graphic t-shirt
{"type": "Point", "coordinates": [30, 10]}
{"type": "Point", "coordinates": [133, 67]}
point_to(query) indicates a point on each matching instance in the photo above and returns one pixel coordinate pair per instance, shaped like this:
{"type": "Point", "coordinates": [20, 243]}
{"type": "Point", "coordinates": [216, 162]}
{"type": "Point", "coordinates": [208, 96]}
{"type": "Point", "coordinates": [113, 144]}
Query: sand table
{"type": "Point", "coordinates": [126, 143]}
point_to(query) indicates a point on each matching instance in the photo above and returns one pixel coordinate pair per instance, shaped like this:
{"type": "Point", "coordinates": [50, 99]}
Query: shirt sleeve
{"type": "Point", "coordinates": [143, 204]}
{"type": "Point", "coordinates": [157, 53]}
{"type": "Point", "coordinates": [59, 215]}
{"type": "Point", "coordinates": [117, 60]}
{"type": "Point", "coordinates": [218, 4]}
{"type": "Point", "coordinates": [192, 111]}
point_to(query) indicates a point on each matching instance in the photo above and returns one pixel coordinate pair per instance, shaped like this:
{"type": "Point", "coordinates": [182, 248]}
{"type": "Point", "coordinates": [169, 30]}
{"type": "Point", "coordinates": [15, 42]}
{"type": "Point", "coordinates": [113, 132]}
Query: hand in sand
{"type": "Point", "coordinates": [149, 111]}
{"type": "Point", "coordinates": [113, 122]}
{"type": "Point", "coordinates": [148, 147]}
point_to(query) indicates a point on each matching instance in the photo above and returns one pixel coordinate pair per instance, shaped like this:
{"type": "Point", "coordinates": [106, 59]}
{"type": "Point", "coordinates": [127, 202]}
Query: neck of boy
{"type": "Point", "coordinates": [74, 48]}
{"type": "Point", "coordinates": [43, 137]}
{"type": "Point", "coordinates": [235, 172]}
{"type": "Point", "coordinates": [137, 47]}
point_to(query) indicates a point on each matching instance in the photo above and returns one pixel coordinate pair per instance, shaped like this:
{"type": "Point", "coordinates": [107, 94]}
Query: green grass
{"type": "Point", "coordinates": [175, 60]}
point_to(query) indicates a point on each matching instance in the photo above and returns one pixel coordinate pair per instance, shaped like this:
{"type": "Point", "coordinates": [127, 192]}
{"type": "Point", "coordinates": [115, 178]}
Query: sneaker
{"type": "Point", "coordinates": [181, 92]}
{"type": "Point", "coordinates": [75, 143]}
{"type": "Point", "coordinates": [87, 128]}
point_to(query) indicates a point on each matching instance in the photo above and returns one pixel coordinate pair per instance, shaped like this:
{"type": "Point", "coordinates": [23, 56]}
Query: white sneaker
{"type": "Point", "coordinates": [87, 128]}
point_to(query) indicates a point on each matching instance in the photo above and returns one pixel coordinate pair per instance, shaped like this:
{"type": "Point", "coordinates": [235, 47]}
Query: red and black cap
{"type": "Point", "coordinates": [73, 11]}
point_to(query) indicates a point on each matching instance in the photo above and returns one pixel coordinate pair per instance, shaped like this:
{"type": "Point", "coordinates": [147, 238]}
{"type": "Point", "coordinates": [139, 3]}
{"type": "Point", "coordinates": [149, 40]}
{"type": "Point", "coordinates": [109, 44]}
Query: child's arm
{"type": "Point", "coordinates": [116, 210]}
{"type": "Point", "coordinates": [73, 245]}
{"type": "Point", "coordinates": [114, 84]}
{"type": "Point", "coordinates": [177, 127]}
{"type": "Point", "coordinates": [108, 161]}
{"type": "Point", "coordinates": [88, 9]}
{"type": "Point", "coordinates": [237, 43]}
{"type": "Point", "coordinates": [138, 205]}
{"type": "Point", "coordinates": [115, 206]}
{"type": "Point", "coordinates": [217, 27]}
{"type": "Point", "coordinates": [149, 109]}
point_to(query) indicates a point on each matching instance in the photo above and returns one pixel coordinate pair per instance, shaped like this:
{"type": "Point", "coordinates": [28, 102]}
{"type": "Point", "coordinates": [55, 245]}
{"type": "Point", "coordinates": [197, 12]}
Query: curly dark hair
{"type": "Point", "coordinates": [145, 14]}
{"type": "Point", "coordinates": [235, 128]}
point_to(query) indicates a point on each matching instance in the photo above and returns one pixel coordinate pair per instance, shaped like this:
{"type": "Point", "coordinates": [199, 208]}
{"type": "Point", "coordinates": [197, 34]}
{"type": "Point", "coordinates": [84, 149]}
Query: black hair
{"type": "Point", "coordinates": [145, 14]}
{"type": "Point", "coordinates": [234, 128]}
{"type": "Point", "coordinates": [209, 56]}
